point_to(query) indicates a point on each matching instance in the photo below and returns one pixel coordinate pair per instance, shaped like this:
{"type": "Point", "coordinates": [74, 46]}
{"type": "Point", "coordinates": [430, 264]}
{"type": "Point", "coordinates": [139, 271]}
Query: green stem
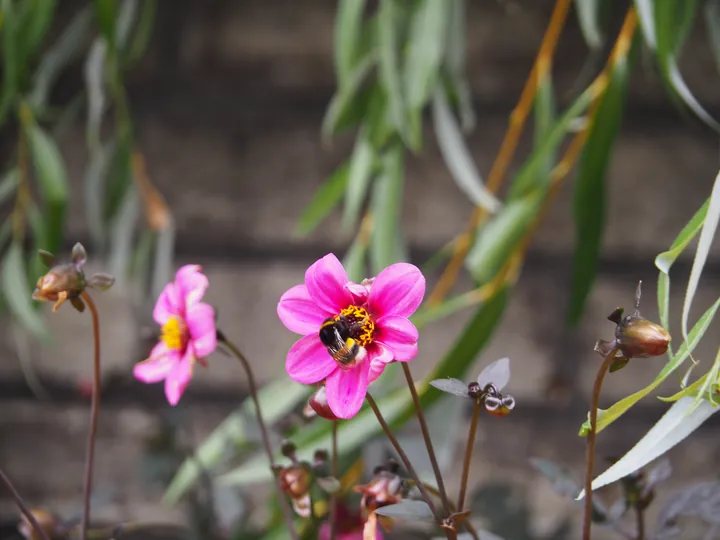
{"type": "Point", "coordinates": [287, 513]}
{"type": "Point", "coordinates": [590, 460]}
{"type": "Point", "coordinates": [468, 456]}
{"type": "Point", "coordinates": [640, 518]}
{"type": "Point", "coordinates": [426, 437]}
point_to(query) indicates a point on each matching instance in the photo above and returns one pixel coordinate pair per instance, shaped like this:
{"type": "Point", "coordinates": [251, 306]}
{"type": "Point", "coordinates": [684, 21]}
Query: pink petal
{"type": "Point", "coordinates": [178, 379]}
{"type": "Point", "coordinates": [191, 284]}
{"type": "Point", "coordinates": [359, 292]}
{"type": "Point", "coordinates": [308, 361]}
{"type": "Point", "coordinates": [299, 313]}
{"type": "Point", "coordinates": [400, 335]}
{"type": "Point", "coordinates": [168, 304]}
{"type": "Point", "coordinates": [397, 290]}
{"type": "Point", "coordinates": [326, 280]}
{"type": "Point", "coordinates": [346, 390]}
{"type": "Point", "coordinates": [156, 368]}
{"type": "Point", "coordinates": [379, 356]}
{"type": "Point", "coordinates": [200, 319]}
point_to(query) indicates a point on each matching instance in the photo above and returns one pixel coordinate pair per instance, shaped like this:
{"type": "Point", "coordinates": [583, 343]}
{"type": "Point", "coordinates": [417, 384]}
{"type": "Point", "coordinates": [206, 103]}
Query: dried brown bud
{"type": "Point", "coordinates": [48, 522]}
{"type": "Point", "coordinates": [295, 481]}
{"type": "Point", "coordinates": [637, 337]}
{"type": "Point", "coordinates": [61, 283]}
{"type": "Point", "coordinates": [318, 403]}
{"type": "Point", "coordinates": [384, 489]}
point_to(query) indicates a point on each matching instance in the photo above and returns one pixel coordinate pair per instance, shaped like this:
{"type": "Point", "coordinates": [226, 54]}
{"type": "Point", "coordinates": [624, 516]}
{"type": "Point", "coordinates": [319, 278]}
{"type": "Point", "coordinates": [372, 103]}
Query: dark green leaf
{"type": "Point", "coordinates": [712, 21]}
{"type": "Point", "coordinates": [387, 201]}
{"type": "Point", "coordinates": [10, 57]}
{"type": "Point", "coordinates": [17, 292]}
{"type": "Point", "coordinates": [457, 156]}
{"type": "Point", "coordinates": [388, 42]}
{"type": "Point", "coordinates": [8, 184]}
{"type": "Point", "coordinates": [37, 15]}
{"type": "Point", "coordinates": [350, 101]}
{"type": "Point", "coordinates": [325, 200]}
{"type": "Point", "coordinates": [106, 12]}
{"type": "Point", "coordinates": [348, 33]}
{"type": "Point", "coordinates": [589, 200]}
{"type": "Point", "coordinates": [52, 179]}
{"type": "Point", "coordinates": [499, 237]}
{"type": "Point", "coordinates": [545, 116]}
{"type": "Point", "coordinates": [143, 32]}
{"type": "Point", "coordinates": [425, 51]}
{"type": "Point", "coordinates": [359, 175]}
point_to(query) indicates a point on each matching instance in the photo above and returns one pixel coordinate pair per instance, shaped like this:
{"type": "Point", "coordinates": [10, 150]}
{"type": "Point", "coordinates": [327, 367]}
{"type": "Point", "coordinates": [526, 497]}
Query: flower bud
{"type": "Point", "coordinates": [318, 403]}
{"type": "Point", "coordinates": [62, 282]}
{"type": "Point", "coordinates": [295, 481]}
{"type": "Point", "coordinates": [287, 448]}
{"type": "Point", "coordinates": [637, 337]}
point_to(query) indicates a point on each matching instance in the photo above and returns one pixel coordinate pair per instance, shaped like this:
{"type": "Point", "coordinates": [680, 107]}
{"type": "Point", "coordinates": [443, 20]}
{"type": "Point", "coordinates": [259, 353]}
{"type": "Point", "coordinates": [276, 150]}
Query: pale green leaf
{"type": "Point", "coordinates": [359, 176]}
{"type": "Point", "coordinates": [17, 293]}
{"type": "Point", "coordinates": [588, 12]}
{"type": "Point", "coordinates": [388, 42]}
{"type": "Point", "coordinates": [387, 201]}
{"type": "Point", "coordinates": [348, 31]}
{"type": "Point", "coordinates": [324, 201]}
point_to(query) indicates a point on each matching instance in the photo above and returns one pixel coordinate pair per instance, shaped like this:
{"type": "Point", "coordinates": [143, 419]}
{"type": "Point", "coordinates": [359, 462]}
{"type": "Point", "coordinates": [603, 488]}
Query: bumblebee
{"type": "Point", "coordinates": [336, 335]}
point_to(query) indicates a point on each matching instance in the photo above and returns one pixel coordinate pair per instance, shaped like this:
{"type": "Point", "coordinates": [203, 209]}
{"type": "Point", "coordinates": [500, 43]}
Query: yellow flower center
{"type": "Point", "coordinates": [174, 333]}
{"type": "Point", "coordinates": [360, 316]}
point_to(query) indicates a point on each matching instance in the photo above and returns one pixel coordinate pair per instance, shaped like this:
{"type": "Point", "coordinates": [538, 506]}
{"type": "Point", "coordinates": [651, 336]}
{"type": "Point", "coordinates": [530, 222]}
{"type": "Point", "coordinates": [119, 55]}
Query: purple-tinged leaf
{"type": "Point", "coordinates": [79, 255]}
{"type": "Point", "coordinates": [497, 373]}
{"type": "Point", "coordinates": [407, 510]}
{"type": "Point", "coordinates": [451, 386]}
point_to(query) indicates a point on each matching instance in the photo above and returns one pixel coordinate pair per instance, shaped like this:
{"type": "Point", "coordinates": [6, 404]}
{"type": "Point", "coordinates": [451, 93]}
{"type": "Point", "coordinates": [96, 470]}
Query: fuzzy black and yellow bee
{"type": "Point", "coordinates": [336, 335]}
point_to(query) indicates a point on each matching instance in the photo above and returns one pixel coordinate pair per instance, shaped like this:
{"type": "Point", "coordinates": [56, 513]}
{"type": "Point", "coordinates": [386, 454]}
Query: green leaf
{"type": "Point", "coordinates": [354, 260]}
{"type": "Point", "coordinates": [143, 32]}
{"type": "Point", "coordinates": [8, 184]}
{"type": "Point", "coordinates": [712, 22]}
{"type": "Point", "coordinates": [455, 64]}
{"type": "Point", "coordinates": [349, 102]}
{"type": "Point", "coordinates": [348, 34]}
{"type": "Point", "coordinates": [17, 292]}
{"type": "Point", "coordinates": [530, 175]}
{"type": "Point", "coordinates": [621, 407]}
{"type": "Point", "coordinates": [63, 51]}
{"type": "Point", "coordinates": [707, 234]}
{"type": "Point", "coordinates": [277, 399]}
{"type": "Point", "coordinates": [665, 260]}
{"type": "Point", "coordinates": [388, 41]}
{"type": "Point", "coordinates": [325, 200]}
{"type": "Point", "coordinates": [387, 201]}
{"type": "Point", "coordinates": [499, 237]}
{"type": "Point", "coordinates": [545, 112]}
{"type": "Point", "coordinates": [457, 156]}
{"type": "Point", "coordinates": [10, 57]}
{"type": "Point", "coordinates": [37, 15]}
{"type": "Point", "coordinates": [119, 177]}
{"type": "Point", "coordinates": [359, 174]}
{"type": "Point", "coordinates": [590, 196]}
{"type": "Point", "coordinates": [52, 179]}
{"type": "Point", "coordinates": [588, 12]}
{"type": "Point", "coordinates": [677, 424]}
{"type": "Point", "coordinates": [397, 407]}
{"type": "Point", "coordinates": [106, 13]}
{"type": "Point", "coordinates": [425, 51]}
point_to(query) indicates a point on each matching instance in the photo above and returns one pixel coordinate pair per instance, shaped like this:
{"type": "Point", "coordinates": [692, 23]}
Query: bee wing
{"type": "Point", "coordinates": [497, 373]}
{"type": "Point", "coordinates": [451, 386]}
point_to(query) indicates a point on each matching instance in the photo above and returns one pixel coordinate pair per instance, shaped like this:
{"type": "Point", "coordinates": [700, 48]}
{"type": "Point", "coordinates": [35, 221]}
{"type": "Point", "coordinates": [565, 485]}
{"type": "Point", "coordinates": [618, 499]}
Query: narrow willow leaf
{"type": "Point", "coordinates": [8, 184]}
{"type": "Point", "coordinates": [355, 259]}
{"type": "Point", "coordinates": [676, 425]}
{"type": "Point", "coordinates": [95, 174]}
{"type": "Point", "coordinates": [324, 201]}
{"type": "Point", "coordinates": [277, 399]}
{"type": "Point", "coordinates": [106, 13]}
{"type": "Point", "coordinates": [118, 178]}
{"type": "Point", "coordinates": [37, 15]}
{"type": "Point", "coordinates": [588, 12]}
{"type": "Point", "coordinates": [703, 249]}
{"type": "Point", "coordinates": [455, 64]}
{"type": "Point", "coordinates": [545, 113]}
{"type": "Point", "coordinates": [690, 391]}
{"type": "Point", "coordinates": [646, 15]}
{"type": "Point", "coordinates": [63, 51]}
{"type": "Point", "coordinates": [388, 42]}
{"type": "Point", "coordinates": [425, 50]}
{"type": "Point", "coordinates": [665, 260]}
{"type": "Point", "coordinates": [124, 22]}
{"type": "Point", "coordinates": [94, 71]}
{"type": "Point", "coordinates": [348, 31]}
{"type": "Point", "coordinates": [143, 31]}
{"type": "Point", "coordinates": [9, 56]}
{"type": "Point", "coordinates": [387, 201]}
{"type": "Point", "coordinates": [529, 177]}
{"type": "Point", "coordinates": [590, 190]}
{"type": "Point", "coordinates": [359, 175]}
{"type": "Point", "coordinates": [345, 104]}
{"type": "Point", "coordinates": [499, 237]}
{"type": "Point", "coordinates": [164, 258]}
{"type": "Point", "coordinates": [397, 407]}
{"type": "Point", "coordinates": [122, 232]}
{"type": "Point", "coordinates": [52, 179]}
{"type": "Point", "coordinates": [17, 291]}
{"type": "Point", "coordinates": [621, 407]}
{"type": "Point", "coordinates": [712, 22]}
{"type": "Point", "coordinates": [457, 157]}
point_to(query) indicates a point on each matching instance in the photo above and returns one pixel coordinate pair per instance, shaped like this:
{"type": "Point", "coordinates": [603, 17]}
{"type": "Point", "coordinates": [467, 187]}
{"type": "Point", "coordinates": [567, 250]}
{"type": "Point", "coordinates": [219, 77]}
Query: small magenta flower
{"type": "Point", "coordinates": [351, 331]}
{"type": "Point", "coordinates": [188, 333]}
{"type": "Point", "coordinates": [350, 526]}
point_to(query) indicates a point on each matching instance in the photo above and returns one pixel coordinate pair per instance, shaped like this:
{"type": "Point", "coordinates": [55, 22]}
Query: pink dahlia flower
{"type": "Point", "coordinates": [378, 311]}
{"type": "Point", "coordinates": [188, 333]}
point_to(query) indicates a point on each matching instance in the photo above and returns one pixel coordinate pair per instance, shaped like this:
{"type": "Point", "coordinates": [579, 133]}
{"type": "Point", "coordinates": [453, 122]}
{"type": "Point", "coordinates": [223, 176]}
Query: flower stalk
{"type": "Point", "coordinates": [287, 514]}
{"type": "Point", "coordinates": [24, 510]}
{"type": "Point", "coordinates": [426, 437]}
{"type": "Point", "coordinates": [468, 455]}
{"type": "Point", "coordinates": [590, 460]}
{"type": "Point", "coordinates": [336, 474]}
{"type": "Point", "coordinates": [94, 416]}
